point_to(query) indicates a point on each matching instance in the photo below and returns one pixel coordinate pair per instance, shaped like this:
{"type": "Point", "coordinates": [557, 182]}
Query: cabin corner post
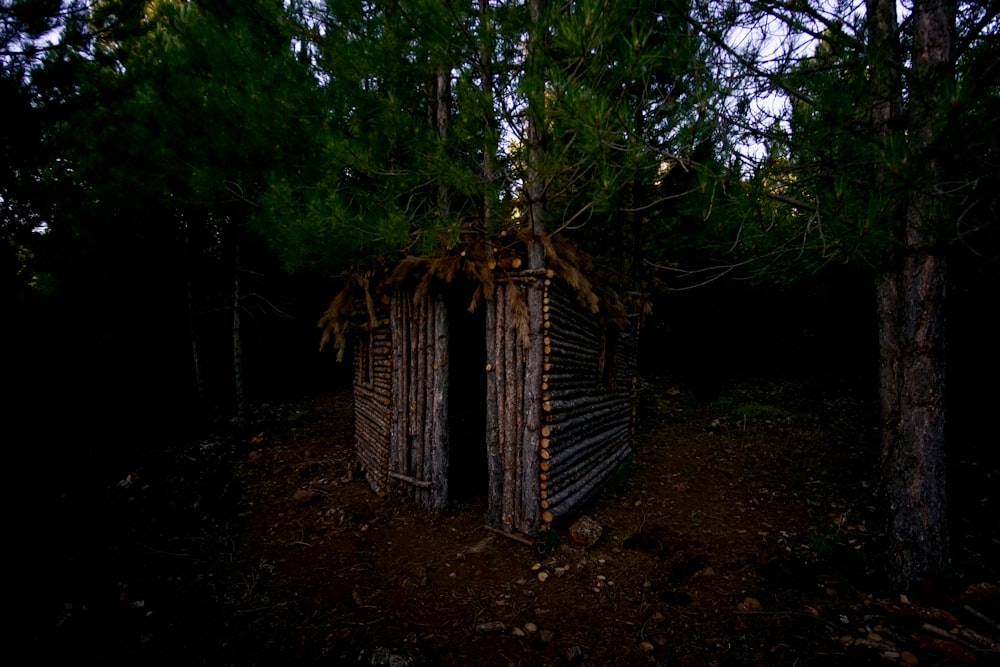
{"type": "Point", "coordinates": [437, 464]}
{"type": "Point", "coordinates": [494, 387]}
{"type": "Point", "coordinates": [398, 455]}
{"type": "Point", "coordinates": [533, 415]}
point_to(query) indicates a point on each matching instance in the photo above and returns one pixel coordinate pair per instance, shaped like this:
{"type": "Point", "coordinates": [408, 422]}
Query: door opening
{"type": "Point", "coordinates": [467, 477]}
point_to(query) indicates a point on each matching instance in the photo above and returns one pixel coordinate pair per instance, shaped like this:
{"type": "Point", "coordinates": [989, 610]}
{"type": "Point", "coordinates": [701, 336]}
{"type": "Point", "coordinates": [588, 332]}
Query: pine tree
{"type": "Point", "coordinates": [858, 167]}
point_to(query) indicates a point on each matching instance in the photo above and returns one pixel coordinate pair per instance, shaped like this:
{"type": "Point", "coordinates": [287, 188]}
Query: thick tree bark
{"type": "Point", "coordinates": [911, 295]}
{"type": "Point", "coordinates": [238, 345]}
{"type": "Point", "coordinates": [528, 458]}
{"type": "Point", "coordinates": [442, 116]}
{"type": "Point", "coordinates": [490, 170]}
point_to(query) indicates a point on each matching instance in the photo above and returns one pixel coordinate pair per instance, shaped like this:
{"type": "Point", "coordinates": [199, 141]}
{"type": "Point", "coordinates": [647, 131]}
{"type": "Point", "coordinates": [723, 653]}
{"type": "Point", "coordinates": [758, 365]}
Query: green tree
{"type": "Point", "coordinates": [432, 104]}
{"type": "Point", "coordinates": [857, 161]}
{"type": "Point", "coordinates": [163, 127]}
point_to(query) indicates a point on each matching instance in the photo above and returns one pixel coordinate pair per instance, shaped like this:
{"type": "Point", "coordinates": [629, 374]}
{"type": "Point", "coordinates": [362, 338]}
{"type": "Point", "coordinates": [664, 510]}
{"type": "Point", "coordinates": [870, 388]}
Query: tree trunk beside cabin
{"type": "Point", "coordinates": [527, 469]}
{"type": "Point", "coordinates": [238, 344]}
{"type": "Point", "coordinates": [911, 295]}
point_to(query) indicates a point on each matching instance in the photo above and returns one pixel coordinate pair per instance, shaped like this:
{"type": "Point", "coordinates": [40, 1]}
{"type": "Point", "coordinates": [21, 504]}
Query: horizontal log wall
{"type": "Point", "coordinates": [373, 402]}
{"type": "Point", "coordinates": [587, 402]}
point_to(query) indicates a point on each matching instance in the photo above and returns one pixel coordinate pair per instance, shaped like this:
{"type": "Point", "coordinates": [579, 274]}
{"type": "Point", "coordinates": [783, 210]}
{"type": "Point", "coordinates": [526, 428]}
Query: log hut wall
{"type": "Point", "coordinates": [588, 387]}
{"type": "Point", "coordinates": [373, 419]}
{"type": "Point", "coordinates": [537, 471]}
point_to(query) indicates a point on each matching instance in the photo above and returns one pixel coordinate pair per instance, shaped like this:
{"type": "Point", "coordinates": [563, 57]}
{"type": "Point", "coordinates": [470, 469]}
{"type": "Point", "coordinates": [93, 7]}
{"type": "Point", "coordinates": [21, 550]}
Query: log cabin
{"type": "Point", "coordinates": [482, 379]}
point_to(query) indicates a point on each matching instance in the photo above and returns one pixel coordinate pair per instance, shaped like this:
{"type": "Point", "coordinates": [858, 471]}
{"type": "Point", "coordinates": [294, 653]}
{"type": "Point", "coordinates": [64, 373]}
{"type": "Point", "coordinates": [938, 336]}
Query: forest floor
{"type": "Point", "coordinates": [742, 534]}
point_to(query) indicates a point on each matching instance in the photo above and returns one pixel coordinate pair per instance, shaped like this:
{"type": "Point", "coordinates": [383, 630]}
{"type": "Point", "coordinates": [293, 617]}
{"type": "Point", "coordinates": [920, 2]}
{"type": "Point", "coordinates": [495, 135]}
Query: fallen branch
{"type": "Point", "coordinates": [510, 536]}
{"type": "Point", "coordinates": [421, 483]}
{"type": "Point", "coordinates": [982, 617]}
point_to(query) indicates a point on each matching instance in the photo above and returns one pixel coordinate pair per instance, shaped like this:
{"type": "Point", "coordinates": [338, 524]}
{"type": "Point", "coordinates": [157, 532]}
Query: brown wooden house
{"type": "Point", "coordinates": [452, 399]}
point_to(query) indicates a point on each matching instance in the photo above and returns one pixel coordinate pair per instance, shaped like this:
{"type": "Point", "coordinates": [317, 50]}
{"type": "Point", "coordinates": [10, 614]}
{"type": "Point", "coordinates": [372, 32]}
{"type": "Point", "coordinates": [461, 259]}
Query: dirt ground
{"type": "Point", "coordinates": [743, 533]}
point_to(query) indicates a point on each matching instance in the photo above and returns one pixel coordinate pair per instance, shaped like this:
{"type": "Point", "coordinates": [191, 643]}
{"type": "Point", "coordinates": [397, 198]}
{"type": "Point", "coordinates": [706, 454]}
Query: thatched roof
{"type": "Point", "coordinates": [476, 263]}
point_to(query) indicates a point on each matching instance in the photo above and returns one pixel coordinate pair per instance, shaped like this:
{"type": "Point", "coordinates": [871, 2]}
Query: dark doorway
{"type": "Point", "coordinates": [467, 478]}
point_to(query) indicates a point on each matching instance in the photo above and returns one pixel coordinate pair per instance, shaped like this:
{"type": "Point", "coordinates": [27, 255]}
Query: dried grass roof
{"type": "Point", "coordinates": [478, 264]}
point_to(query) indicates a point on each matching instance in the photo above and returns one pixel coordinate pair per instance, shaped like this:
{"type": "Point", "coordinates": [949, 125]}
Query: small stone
{"type": "Point", "coordinates": [908, 658]}
{"type": "Point", "coordinates": [647, 647]}
{"type": "Point", "coordinates": [585, 531]}
{"type": "Point", "coordinates": [490, 627]}
{"type": "Point", "coordinates": [530, 628]}
{"type": "Point", "coordinates": [517, 632]}
{"type": "Point", "coordinates": [542, 576]}
{"type": "Point", "coordinates": [574, 653]}
{"type": "Point", "coordinates": [303, 496]}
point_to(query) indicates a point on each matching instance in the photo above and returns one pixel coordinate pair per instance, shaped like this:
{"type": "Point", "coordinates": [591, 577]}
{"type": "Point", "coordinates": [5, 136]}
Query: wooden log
{"type": "Point", "coordinates": [566, 455]}
{"type": "Point", "coordinates": [580, 360]}
{"type": "Point", "coordinates": [579, 384]}
{"type": "Point", "coordinates": [493, 471]}
{"type": "Point", "coordinates": [583, 425]}
{"type": "Point", "coordinates": [518, 414]}
{"type": "Point", "coordinates": [563, 411]}
{"type": "Point", "coordinates": [565, 451]}
{"type": "Point", "coordinates": [511, 536]}
{"type": "Point", "coordinates": [569, 406]}
{"type": "Point", "coordinates": [565, 444]}
{"type": "Point", "coordinates": [510, 441]}
{"type": "Point", "coordinates": [583, 431]}
{"type": "Point", "coordinates": [572, 320]}
{"type": "Point", "coordinates": [440, 408]}
{"type": "Point", "coordinates": [418, 389]}
{"type": "Point", "coordinates": [427, 408]}
{"type": "Point", "coordinates": [584, 488]}
{"type": "Point", "coordinates": [569, 475]}
{"type": "Point", "coordinates": [398, 393]}
{"type": "Point", "coordinates": [575, 346]}
{"type": "Point", "coordinates": [421, 483]}
{"type": "Point", "coordinates": [563, 328]}
{"type": "Point", "coordinates": [375, 412]}
{"type": "Point", "coordinates": [427, 378]}
{"type": "Point", "coordinates": [375, 424]}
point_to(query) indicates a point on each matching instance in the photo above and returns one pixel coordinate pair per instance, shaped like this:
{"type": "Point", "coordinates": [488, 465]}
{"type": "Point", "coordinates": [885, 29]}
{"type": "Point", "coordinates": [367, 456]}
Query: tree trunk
{"type": "Point", "coordinates": [490, 171]}
{"type": "Point", "coordinates": [535, 191]}
{"type": "Point", "coordinates": [238, 345]}
{"type": "Point", "coordinates": [442, 114]}
{"type": "Point", "coordinates": [911, 296]}
{"type": "Point", "coordinates": [199, 377]}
